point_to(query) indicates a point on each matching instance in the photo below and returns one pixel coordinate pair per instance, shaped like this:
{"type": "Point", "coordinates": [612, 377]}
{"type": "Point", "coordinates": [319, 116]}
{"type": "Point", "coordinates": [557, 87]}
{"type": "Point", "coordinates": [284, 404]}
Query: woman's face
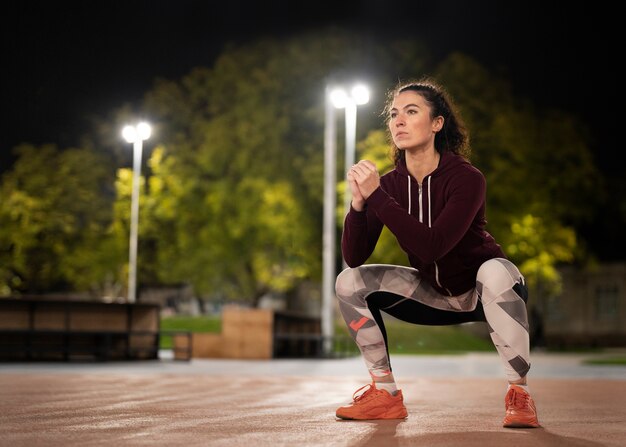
{"type": "Point", "coordinates": [410, 123]}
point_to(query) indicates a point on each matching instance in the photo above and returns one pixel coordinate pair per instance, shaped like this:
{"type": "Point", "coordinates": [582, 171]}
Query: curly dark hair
{"type": "Point", "coordinates": [453, 136]}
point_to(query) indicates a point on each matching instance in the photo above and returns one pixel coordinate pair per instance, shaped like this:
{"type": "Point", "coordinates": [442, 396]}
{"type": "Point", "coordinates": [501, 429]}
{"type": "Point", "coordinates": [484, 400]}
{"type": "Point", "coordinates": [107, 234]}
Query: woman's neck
{"type": "Point", "coordinates": [421, 163]}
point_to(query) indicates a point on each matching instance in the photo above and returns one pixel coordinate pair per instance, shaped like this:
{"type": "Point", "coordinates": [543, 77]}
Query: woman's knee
{"type": "Point", "coordinates": [499, 276]}
{"type": "Point", "coordinates": [344, 285]}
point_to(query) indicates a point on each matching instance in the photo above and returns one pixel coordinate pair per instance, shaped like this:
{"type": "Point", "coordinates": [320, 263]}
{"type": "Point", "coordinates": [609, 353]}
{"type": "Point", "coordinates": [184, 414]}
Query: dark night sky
{"type": "Point", "coordinates": [65, 60]}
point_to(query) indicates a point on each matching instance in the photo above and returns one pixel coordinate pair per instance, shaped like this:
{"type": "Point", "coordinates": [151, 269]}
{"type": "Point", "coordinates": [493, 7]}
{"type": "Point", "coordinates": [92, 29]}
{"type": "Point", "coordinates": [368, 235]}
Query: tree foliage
{"type": "Point", "coordinates": [55, 215]}
{"type": "Point", "coordinates": [231, 196]}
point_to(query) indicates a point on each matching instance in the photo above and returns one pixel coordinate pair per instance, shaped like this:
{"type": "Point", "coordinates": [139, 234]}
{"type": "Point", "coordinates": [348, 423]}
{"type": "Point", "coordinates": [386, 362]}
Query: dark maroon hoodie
{"type": "Point", "coordinates": [439, 224]}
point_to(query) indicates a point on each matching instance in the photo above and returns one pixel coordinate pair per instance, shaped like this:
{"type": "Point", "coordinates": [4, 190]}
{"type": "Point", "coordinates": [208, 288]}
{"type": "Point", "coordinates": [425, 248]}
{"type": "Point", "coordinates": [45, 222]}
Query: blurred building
{"type": "Point", "coordinates": [590, 312]}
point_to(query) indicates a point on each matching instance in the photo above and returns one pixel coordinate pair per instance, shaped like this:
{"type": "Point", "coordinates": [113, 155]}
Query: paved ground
{"type": "Point", "coordinates": [452, 401]}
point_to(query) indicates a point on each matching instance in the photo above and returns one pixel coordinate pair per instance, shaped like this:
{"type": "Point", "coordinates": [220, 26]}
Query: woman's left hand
{"type": "Point", "coordinates": [366, 176]}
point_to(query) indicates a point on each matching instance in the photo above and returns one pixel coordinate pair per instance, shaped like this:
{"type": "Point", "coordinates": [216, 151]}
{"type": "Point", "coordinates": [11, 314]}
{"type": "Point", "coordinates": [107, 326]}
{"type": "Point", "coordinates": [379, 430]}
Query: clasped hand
{"type": "Point", "coordinates": [363, 179]}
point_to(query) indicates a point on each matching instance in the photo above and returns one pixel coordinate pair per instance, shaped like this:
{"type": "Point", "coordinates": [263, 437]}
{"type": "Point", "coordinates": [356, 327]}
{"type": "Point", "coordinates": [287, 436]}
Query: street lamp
{"type": "Point", "coordinates": [328, 240]}
{"type": "Point", "coordinates": [136, 135]}
{"type": "Point", "coordinates": [335, 98]}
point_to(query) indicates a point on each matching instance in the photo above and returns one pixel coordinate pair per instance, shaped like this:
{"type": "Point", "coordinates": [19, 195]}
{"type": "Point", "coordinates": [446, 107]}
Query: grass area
{"type": "Point", "coordinates": [193, 324]}
{"type": "Point", "coordinates": [403, 338]}
{"type": "Point", "coordinates": [614, 361]}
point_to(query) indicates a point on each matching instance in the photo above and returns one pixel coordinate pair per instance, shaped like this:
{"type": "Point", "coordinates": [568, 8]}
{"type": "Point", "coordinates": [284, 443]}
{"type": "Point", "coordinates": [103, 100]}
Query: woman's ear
{"type": "Point", "coordinates": [438, 123]}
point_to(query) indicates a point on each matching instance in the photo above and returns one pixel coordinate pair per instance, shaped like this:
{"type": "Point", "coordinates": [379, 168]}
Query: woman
{"type": "Point", "coordinates": [434, 204]}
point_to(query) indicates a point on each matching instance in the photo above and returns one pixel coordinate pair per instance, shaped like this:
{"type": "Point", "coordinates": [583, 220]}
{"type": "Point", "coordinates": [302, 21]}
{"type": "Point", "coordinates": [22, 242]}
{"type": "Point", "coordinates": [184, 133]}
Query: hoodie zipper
{"type": "Point", "coordinates": [419, 199]}
{"type": "Point", "coordinates": [421, 219]}
{"type": "Point", "coordinates": [429, 225]}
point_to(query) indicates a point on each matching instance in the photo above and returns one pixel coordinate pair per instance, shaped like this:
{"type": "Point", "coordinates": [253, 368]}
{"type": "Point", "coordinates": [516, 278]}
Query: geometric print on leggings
{"type": "Point", "coordinates": [368, 338]}
{"type": "Point", "coordinates": [353, 286]}
{"type": "Point", "coordinates": [499, 284]}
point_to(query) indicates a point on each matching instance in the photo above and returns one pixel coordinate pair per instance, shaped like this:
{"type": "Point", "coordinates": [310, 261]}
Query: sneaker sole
{"type": "Point", "coordinates": [521, 424]}
{"type": "Point", "coordinates": [390, 415]}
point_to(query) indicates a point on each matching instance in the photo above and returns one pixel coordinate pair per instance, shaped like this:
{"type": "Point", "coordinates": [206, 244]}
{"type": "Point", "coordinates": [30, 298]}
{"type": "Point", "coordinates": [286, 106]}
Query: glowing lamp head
{"type": "Point", "coordinates": [141, 131]}
{"type": "Point", "coordinates": [339, 98]}
{"type": "Point", "coordinates": [360, 94]}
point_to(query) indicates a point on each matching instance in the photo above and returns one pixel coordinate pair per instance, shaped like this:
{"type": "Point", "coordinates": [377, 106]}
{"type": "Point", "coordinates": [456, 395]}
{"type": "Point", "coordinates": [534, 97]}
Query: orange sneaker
{"type": "Point", "coordinates": [520, 409]}
{"type": "Point", "coordinates": [373, 404]}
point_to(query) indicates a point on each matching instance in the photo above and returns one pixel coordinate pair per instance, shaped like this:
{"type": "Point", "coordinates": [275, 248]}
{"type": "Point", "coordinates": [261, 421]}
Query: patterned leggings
{"type": "Point", "coordinates": [499, 299]}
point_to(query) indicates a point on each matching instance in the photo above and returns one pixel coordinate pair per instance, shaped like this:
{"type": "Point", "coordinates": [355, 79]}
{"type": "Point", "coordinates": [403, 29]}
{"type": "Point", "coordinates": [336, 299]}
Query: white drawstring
{"type": "Point", "coordinates": [429, 216]}
{"type": "Point", "coordinates": [409, 185]}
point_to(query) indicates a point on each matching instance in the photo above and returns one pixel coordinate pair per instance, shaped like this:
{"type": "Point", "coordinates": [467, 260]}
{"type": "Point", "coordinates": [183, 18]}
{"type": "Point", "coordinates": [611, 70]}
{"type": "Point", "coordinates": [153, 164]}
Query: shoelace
{"type": "Point", "coordinates": [518, 400]}
{"type": "Point", "coordinates": [368, 393]}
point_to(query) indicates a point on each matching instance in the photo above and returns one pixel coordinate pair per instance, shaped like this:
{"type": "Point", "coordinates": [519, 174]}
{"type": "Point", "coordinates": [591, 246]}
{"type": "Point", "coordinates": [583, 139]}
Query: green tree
{"type": "Point", "coordinates": [54, 218]}
{"type": "Point", "coordinates": [229, 238]}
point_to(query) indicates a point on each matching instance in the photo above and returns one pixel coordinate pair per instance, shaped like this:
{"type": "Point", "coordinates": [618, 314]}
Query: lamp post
{"type": "Point", "coordinates": [335, 98]}
{"type": "Point", "coordinates": [328, 240]}
{"type": "Point", "coordinates": [136, 135]}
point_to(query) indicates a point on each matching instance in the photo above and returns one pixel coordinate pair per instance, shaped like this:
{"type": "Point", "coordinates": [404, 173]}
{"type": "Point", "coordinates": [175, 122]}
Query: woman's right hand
{"type": "Point", "coordinates": [358, 201]}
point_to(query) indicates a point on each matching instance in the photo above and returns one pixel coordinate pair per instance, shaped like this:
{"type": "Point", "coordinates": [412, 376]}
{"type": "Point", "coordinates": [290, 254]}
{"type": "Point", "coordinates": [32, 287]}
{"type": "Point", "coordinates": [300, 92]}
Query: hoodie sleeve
{"type": "Point", "coordinates": [361, 230]}
{"type": "Point", "coordinates": [464, 198]}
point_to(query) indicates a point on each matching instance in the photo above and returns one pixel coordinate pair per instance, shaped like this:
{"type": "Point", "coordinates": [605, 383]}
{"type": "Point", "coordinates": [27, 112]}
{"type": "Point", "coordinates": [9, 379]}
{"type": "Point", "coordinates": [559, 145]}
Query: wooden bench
{"type": "Point", "coordinates": [37, 329]}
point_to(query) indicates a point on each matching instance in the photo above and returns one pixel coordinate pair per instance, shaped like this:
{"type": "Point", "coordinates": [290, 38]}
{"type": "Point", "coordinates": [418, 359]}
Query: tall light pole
{"type": "Point", "coordinates": [328, 242]}
{"type": "Point", "coordinates": [335, 98]}
{"type": "Point", "coordinates": [359, 95]}
{"type": "Point", "coordinates": [136, 135]}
